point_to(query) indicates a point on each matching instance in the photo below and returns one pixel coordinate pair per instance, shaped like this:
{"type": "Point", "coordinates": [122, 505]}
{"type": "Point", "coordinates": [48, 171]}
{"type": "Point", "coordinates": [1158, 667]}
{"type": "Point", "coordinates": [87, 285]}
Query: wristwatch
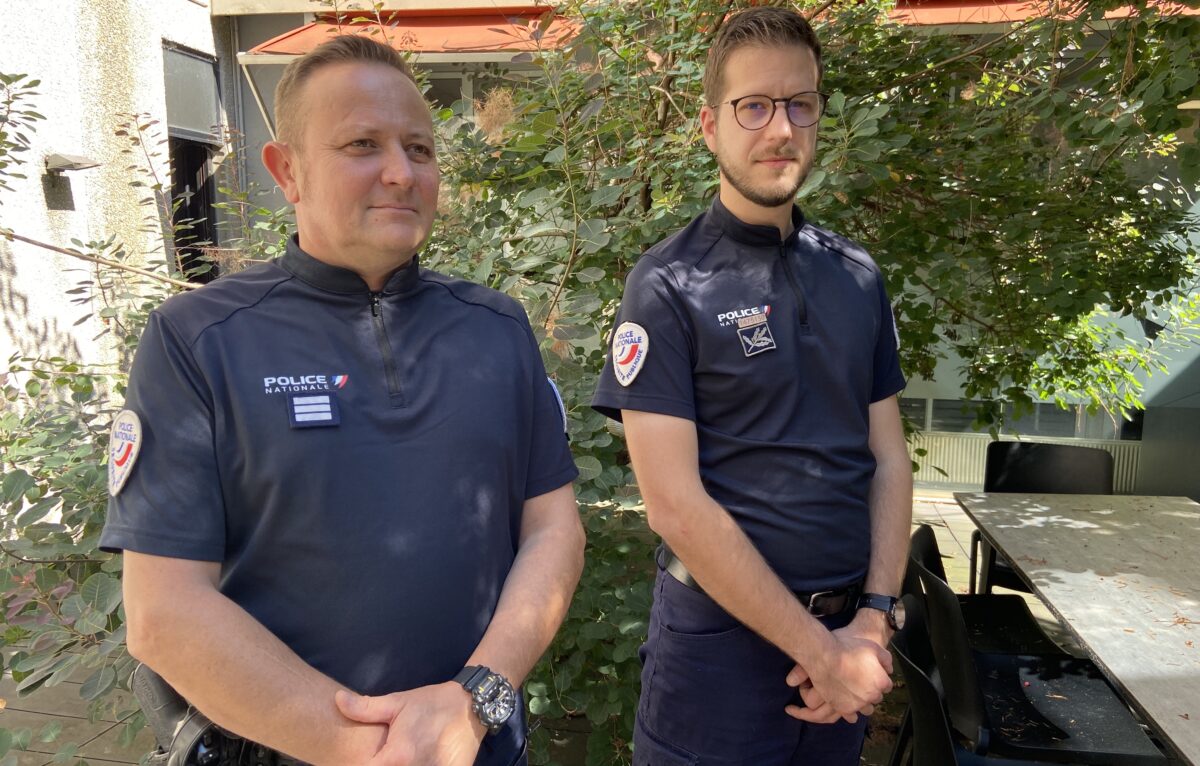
{"type": "Point", "coordinates": [889, 605]}
{"type": "Point", "coordinates": [492, 695]}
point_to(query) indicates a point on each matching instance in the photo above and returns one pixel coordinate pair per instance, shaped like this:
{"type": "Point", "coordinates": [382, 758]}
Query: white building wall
{"type": "Point", "coordinates": [96, 59]}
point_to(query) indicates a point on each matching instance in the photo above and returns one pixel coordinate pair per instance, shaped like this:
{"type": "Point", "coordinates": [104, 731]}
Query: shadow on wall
{"type": "Point", "coordinates": [29, 335]}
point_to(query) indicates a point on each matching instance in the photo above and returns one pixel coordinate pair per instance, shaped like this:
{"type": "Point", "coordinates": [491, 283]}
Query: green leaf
{"type": "Point", "coordinates": [101, 592]}
{"type": "Point", "coordinates": [16, 483]}
{"type": "Point", "coordinates": [99, 683]}
{"type": "Point", "coordinates": [50, 732]}
{"type": "Point", "coordinates": [589, 467]}
{"type": "Point", "coordinates": [92, 621]}
{"type": "Point", "coordinates": [37, 511]}
{"type": "Point", "coordinates": [6, 741]}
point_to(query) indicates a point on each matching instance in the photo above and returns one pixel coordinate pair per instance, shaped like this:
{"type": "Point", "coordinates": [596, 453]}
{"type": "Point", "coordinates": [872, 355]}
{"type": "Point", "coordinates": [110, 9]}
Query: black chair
{"type": "Point", "coordinates": [996, 622]}
{"type": "Point", "coordinates": [931, 742]}
{"type": "Point", "coordinates": [1046, 707]}
{"type": "Point", "coordinates": [1060, 469]}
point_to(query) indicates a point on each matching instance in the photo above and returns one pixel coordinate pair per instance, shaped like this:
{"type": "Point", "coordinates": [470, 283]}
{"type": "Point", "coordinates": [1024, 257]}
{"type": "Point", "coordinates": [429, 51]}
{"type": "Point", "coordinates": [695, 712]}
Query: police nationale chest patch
{"type": "Point", "coordinates": [756, 338]}
{"type": "Point", "coordinates": [313, 410]}
{"type": "Point", "coordinates": [124, 443]}
{"type": "Point", "coordinates": [630, 344]}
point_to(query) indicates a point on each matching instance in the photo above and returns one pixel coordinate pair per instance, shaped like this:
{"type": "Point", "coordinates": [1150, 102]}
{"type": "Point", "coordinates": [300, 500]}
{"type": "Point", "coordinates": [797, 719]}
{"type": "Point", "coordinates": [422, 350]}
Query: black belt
{"type": "Point", "coordinates": [821, 603]}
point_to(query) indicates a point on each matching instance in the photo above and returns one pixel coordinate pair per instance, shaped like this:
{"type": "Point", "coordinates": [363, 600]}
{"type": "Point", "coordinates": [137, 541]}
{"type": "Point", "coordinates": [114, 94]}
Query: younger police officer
{"type": "Point", "coordinates": [339, 472]}
{"type": "Point", "coordinates": [754, 365]}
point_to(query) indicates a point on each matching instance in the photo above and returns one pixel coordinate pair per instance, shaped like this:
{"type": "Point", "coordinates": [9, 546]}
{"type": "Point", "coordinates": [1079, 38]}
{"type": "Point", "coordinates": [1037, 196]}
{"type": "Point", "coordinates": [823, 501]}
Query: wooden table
{"type": "Point", "coordinates": [1123, 574]}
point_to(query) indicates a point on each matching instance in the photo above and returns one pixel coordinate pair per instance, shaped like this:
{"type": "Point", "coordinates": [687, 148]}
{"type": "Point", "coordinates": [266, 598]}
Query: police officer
{"type": "Point", "coordinates": [754, 363]}
{"type": "Point", "coordinates": [341, 474]}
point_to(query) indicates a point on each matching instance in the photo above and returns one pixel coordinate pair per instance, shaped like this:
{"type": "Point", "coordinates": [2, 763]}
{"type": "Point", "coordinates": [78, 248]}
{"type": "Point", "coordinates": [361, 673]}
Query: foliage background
{"type": "Point", "coordinates": [1018, 188]}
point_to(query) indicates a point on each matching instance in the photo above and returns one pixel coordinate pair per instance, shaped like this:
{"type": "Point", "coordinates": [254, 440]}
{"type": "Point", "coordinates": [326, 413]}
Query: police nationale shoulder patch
{"type": "Point", "coordinates": [630, 344]}
{"type": "Point", "coordinates": [124, 443]}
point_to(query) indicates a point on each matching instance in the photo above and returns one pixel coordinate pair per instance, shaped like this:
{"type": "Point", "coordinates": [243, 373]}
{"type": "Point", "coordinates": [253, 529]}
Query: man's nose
{"type": "Point", "coordinates": [397, 168]}
{"type": "Point", "coordinates": [780, 126]}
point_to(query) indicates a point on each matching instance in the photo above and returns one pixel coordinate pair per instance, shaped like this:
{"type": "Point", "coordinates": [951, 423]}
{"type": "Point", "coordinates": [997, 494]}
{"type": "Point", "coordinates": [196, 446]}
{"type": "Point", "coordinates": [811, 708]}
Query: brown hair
{"type": "Point", "coordinates": [341, 49]}
{"type": "Point", "coordinates": [766, 27]}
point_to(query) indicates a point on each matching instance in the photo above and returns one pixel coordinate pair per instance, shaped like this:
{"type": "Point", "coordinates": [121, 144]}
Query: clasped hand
{"type": "Point", "coordinates": [430, 725]}
{"type": "Point", "coordinates": [848, 680]}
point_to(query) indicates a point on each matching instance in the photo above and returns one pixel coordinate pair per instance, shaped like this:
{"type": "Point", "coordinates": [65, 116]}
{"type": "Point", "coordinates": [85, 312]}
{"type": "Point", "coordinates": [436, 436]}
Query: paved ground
{"type": "Point", "coordinates": [98, 741]}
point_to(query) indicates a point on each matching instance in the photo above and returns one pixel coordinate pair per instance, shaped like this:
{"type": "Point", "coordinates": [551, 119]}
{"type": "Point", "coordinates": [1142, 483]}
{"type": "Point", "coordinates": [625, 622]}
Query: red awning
{"type": "Point", "coordinates": [465, 31]}
{"type": "Point", "coordinates": [938, 12]}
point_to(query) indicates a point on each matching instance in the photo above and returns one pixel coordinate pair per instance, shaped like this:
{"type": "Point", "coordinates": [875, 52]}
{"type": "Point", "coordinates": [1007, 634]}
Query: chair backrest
{"type": "Point", "coordinates": [924, 549]}
{"type": "Point", "coordinates": [1053, 468]}
{"type": "Point", "coordinates": [932, 742]}
{"type": "Point", "coordinates": [953, 658]}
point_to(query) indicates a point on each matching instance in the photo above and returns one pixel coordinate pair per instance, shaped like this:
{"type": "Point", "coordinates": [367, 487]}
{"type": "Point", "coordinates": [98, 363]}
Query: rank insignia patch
{"type": "Point", "coordinates": [630, 345]}
{"type": "Point", "coordinates": [124, 443]}
{"type": "Point", "coordinates": [756, 338]}
{"type": "Point", "coordinates": [312, 410]}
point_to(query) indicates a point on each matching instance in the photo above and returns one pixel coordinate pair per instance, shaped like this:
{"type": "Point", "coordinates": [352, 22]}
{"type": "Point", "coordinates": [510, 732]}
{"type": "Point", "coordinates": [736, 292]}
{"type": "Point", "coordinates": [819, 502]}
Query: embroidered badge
{"type": "Point", "coordinates": [124, 443]}
{"type": "Point", "coordinates": [630, 345]}
{"type": "Point", "coordinates": [744, 317]}
{"type": "Point", "coordinates": [312, 410]}
{"type": "Point", "coordinates": [756, 338]}
{"type": "Point", "coordinates": [295, 384]}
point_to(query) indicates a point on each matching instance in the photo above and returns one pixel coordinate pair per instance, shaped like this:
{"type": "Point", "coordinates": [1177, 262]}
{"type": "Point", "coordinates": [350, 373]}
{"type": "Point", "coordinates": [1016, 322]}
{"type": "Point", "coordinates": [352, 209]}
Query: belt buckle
{"type": "Point", "coordinates": [811, 606]}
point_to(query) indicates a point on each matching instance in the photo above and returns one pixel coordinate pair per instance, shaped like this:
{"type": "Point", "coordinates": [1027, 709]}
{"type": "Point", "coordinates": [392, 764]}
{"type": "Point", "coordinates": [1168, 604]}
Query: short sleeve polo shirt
{"type": "Point", "coordinates": [775, 349]}
{"type": "Point", "coordinates": [357, 461]}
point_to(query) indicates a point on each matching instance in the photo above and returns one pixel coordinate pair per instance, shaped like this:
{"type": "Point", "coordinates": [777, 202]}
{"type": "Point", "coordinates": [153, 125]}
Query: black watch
{"type": "Point", "coordinates": [493, 696]}
{"type": "Point", "coordinates": [889, 605]}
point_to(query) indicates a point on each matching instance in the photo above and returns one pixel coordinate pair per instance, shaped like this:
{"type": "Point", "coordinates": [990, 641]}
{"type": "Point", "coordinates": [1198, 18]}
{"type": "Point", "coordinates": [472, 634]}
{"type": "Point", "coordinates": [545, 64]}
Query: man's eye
{"type": "Point", "coordinates": [753, 106]}
{"type": "Point", "coordinates": [423, 150]}
{"type": "Point", "coordinates": [362, 143]}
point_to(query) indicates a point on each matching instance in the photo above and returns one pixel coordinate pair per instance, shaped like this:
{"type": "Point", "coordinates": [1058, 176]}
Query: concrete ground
{"type": "Point", "coordinates": [97, 742]}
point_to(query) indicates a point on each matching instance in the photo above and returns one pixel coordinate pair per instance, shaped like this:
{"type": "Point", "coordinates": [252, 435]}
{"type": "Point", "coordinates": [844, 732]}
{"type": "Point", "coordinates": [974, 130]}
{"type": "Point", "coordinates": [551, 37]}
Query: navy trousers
{"type": "Point", "coordinates": [714, 692]}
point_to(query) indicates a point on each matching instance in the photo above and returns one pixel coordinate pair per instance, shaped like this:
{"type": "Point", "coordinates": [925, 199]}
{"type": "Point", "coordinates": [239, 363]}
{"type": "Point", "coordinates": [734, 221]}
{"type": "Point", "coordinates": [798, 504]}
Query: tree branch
{"type": "Point", "coordinates": [12, 235]}
{"type": "Point", "coordinates": [965, 54]}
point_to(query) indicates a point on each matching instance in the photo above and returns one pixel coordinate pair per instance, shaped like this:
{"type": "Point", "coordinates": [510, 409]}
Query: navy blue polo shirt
{"type": "Point", "coordinates": [357, 461]}
{"type": "Point", "coordinates": [775, 348]}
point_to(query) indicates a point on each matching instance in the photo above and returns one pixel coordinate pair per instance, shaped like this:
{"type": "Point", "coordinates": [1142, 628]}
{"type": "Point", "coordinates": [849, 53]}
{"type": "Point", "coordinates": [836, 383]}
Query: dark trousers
{"type": "Point", "coordinates": [714, 692]}
{"type": "Point", "coordinates": [507, 747]}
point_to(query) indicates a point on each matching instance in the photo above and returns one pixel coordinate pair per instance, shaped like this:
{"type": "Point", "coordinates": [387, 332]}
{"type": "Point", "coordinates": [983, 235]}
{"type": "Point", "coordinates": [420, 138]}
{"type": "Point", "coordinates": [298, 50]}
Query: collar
{"type": "Point", "coordinates": [335, 279]}
{"type": "Point", "coordinates": [758, 235]}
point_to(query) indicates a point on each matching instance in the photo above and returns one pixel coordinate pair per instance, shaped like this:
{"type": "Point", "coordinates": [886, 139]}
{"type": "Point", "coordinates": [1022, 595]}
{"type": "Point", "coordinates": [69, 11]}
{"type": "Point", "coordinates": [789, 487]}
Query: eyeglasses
{"type": "Point", "coordinates": [755, 112]}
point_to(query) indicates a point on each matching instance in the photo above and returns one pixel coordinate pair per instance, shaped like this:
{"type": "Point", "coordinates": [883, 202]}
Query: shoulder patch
{"type": "Point", "coordinates": [630, 344]}
{"type": "Point", "coordinates": [562, 408]}
{"type": "Point", "coordinates": [124, 443]}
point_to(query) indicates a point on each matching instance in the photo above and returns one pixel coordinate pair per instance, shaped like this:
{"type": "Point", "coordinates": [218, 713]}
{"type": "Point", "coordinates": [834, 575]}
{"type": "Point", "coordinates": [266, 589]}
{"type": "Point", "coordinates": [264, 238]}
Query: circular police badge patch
{"type": "Point", "coordinates": [630, 344]}
{"type": "Point", "coordinates": [123, 445]}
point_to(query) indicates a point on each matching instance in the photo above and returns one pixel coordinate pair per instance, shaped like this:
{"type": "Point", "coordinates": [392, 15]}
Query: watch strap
{"type": "Point", "coordinates": [885, 604]}
{"type": "Point", "coordinates": [877, 601]}
{"type": "Point", "coordinates": [471, 676]}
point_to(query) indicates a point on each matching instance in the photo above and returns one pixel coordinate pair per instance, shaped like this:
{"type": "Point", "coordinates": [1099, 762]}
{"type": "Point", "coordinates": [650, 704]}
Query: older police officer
{"type": "Point", "coordinates": [340, 474]}
{"type": "Point", "coordinates": [754, 363]}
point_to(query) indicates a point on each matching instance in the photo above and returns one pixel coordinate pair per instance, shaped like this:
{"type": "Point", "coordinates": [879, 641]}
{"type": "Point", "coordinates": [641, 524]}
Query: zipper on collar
{"type": "Point", "coordinates": [385, 349]}
{"type": "Point", "coordinates": [801, 304]}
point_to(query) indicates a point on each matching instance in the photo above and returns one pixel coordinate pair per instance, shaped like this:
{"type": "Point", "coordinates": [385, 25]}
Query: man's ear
{"type": "Point", "coordinates": [708, 127]}
{"type": "Point", "coordinates": [280, 161]}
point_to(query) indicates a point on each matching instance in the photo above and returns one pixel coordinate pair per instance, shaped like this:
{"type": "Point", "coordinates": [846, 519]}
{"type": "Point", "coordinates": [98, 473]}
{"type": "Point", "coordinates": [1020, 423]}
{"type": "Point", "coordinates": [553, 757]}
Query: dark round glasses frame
{"type": "Point", "coordinates": [795, 109]}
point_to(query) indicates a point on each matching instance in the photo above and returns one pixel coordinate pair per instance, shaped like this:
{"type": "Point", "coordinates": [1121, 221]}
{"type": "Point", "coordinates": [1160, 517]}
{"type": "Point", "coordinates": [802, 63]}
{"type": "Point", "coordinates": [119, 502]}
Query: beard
{"type": "Point", "coordinates": [766, 196]}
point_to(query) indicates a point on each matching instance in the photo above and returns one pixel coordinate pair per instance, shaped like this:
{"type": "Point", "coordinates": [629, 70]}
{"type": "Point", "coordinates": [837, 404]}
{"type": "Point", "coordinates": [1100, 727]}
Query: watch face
{"type": "Point", "coordinates": [496, 710]}
{"type": "Point", "coordinates": [898, 615]}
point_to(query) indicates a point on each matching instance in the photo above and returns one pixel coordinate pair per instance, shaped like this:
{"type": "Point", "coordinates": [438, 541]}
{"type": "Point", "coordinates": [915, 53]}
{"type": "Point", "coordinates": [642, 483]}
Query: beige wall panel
{"type": "Point", "coordinates": [96, 60]}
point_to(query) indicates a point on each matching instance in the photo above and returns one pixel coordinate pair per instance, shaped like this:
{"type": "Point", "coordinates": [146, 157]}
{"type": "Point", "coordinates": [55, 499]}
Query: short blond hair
{"type": "Point", "coordinates": [342, 49]}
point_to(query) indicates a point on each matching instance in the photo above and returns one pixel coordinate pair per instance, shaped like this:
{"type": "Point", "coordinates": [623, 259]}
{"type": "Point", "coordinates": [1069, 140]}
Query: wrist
{"type": "Point", "coordinates": [357, 743]}
{"type": "Point", "coordinates": [875, 620]}
{"type": "Point", "coordinates": [465, 704]}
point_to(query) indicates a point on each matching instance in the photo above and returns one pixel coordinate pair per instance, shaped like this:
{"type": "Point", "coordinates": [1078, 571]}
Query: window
{"type": "Point", "coordinates": [194, 134]}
